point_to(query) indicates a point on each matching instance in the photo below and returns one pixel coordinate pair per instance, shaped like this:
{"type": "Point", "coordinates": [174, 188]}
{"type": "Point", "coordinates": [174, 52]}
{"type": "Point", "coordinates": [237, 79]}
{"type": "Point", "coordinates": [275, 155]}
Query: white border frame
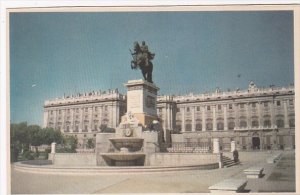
{"type": "Point", "coordinates": [166, 4]}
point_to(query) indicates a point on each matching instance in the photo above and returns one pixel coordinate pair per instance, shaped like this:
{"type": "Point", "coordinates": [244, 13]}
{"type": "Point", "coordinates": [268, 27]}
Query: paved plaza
{"type": "Point", "coordinates": [279, 177]}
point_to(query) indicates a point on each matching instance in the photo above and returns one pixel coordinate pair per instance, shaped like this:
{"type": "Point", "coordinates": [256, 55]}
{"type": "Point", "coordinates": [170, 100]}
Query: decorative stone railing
{"type": "Point", "coordinates": [255, 128]}
{"type": "Point", "coordinates": [79, 99]}
{"type": "Point", "coordinates": [226, 95]}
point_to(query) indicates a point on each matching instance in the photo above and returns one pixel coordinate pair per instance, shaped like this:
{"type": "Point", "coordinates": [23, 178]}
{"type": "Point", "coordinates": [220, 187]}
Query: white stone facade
{"type": "Point", "coordinates": [264, 116]}
{"type": "Point", "coordinates": [85, 113]}
{"type": "Point", "coordinates": [256, 118]}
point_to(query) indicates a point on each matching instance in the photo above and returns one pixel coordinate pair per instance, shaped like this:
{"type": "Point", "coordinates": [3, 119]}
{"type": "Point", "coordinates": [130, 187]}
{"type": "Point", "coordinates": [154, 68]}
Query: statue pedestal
{"type": "Point", "coordinates": [141, 100]}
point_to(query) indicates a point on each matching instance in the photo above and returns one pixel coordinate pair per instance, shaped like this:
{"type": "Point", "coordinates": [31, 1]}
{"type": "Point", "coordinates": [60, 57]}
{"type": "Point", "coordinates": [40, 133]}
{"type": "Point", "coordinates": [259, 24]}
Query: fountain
{"type": "Point", "coordinates": [127, 146]}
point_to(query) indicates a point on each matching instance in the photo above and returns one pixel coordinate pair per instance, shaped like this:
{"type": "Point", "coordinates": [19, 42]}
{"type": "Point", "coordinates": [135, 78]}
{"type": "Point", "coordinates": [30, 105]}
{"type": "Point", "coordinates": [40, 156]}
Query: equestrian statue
{"type": "Point", "coordinates": [142, 59]}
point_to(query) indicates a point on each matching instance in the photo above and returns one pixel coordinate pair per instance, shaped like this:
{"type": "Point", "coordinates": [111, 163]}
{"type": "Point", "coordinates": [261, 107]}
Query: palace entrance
{"type": "Point", "coordinates": [255, 143]}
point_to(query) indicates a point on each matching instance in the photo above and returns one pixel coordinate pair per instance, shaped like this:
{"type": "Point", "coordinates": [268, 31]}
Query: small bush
{"type": "Point", "coordinates": [28, 155]}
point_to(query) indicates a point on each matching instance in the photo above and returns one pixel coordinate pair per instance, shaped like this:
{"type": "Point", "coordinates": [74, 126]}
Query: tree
{"type": "Point", "coordinates": [90, 143]}
{"type": "Point", "coordinates": [71, 142]}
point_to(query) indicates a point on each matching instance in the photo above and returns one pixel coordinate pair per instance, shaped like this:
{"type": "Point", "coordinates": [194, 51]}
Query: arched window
{"type": "Point", "coordinates": [280, 123]}
{"type": "Point", "coordinates": [198, 127]}
{"type": "Point", "coordinates": [243, 124]}
{"type": "Point", "coordinates": [292, 122]}
{"type": "Point", "coordinates": [267, 123]}
{"type": "Point", "coordinates": [209, 126]}
{"type": "Point", "coordinates": [188, 125]}
{"type": "Point", "coordinates": [178, 125]}
{"type": "Point", "coordinates": [220, 126]}
{"type": "Point", "coordinates": [231, 125]}
{"type": "Point", "coordinates": [255, 123]}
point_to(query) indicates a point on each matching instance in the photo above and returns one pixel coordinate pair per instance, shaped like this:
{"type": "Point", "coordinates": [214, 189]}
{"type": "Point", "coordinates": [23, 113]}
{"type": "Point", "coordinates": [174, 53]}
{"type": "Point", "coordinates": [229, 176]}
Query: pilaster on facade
{"type": "Point", "coordinates": [225, 117]}
{"type": "Point", "coordinates": [286, 117]}
{"type": "Point", "coordinates": [248, 115]}
{"type": "Point", "coordinates": [272, 113]}
{"type": "Point", "coordinates": [183, 119]}
{"type": "Point", "coordinates": [193, 119]}
{"type": "Point", "coordinates": [237, 115]}
{"type": "Point", "coordinates": [214, 118]}
{"type": "Point", "coordinates": [203, 119]}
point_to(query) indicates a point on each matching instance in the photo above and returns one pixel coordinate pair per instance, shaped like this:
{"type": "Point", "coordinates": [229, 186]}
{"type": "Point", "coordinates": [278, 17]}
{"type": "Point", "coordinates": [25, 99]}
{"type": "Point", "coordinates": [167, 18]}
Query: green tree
{"type": "Point", "coordinates": [71, 142]}
{"type": "Point", "coordinates": [90, 143]}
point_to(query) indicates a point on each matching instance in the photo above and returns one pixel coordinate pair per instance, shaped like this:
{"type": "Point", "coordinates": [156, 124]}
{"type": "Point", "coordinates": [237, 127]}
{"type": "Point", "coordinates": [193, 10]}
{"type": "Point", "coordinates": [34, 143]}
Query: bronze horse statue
{"type": "Point", "coordinates": [142, 60]}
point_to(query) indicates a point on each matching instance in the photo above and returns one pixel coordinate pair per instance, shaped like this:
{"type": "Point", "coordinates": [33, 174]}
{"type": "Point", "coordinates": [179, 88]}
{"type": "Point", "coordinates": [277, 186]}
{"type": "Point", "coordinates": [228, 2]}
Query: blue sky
{"type": "Point", "coordinates": [56, 53]}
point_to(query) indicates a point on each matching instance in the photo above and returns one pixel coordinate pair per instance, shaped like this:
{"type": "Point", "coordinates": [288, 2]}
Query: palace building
{"type": "Point", "coordinates": [256, 118]}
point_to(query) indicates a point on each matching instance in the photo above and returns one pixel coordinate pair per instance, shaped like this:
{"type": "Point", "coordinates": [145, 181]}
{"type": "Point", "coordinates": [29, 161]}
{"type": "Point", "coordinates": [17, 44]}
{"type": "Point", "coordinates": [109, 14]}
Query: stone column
{"type": "Point", "coordinates": [167, 116]}
{"type": "Point", "coordinates": [203, 119]}
{"type": "Point", "coordinates": [248, 116]}
{"type": "Point", "coordinates": [286, 117]}
{"type": "Point", "coordinates": [214, 118]}
{"type": "Point", "coordinates": [216, 145]}
{"type": "Point", "coordinates": [91, 118]}
{"type": "Point", "coordinates": [259, 114]}
{"type": "Point", "coordinates": [233, 146]}
{"type": "Point", "coordinates": [236, 120]}
{"type": "Point", "coordinates": [183, 119]}
{"type": "Point", "coordinates": [225, 118]}
{"type": "Point", "coordinates": [272, 112]}
{"type": "Point", "coordinates": [53, 145]}
{"type": "Point", "coordinates": [82, 120]}
{"type": "Point", "coordinates": [117, 113]}
{"type": "Point", "coordinates": [100, 114]}
{"type": "Point", "coordinates": [193, 119]}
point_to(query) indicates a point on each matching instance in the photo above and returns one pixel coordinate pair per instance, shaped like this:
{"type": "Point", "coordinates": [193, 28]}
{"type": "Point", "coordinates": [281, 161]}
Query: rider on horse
{"type": "Point", "coordinates": [142, 59]}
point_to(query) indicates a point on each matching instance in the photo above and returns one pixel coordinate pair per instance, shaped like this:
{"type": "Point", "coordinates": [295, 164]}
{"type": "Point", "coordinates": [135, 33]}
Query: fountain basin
{"type": "Point", "coordinates": [123, 156]}
{"type": "Point", "coordinates": [132, 143]}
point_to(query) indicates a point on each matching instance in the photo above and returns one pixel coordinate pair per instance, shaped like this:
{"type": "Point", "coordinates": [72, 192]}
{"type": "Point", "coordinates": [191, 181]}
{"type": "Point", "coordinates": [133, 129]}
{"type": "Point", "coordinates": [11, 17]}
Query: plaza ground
{"type": "Point", "coordinates": [278, 177]}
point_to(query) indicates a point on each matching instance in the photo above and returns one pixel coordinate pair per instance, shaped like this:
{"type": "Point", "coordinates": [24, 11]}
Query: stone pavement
{"type": "Point", "coordinates": [278, 177]}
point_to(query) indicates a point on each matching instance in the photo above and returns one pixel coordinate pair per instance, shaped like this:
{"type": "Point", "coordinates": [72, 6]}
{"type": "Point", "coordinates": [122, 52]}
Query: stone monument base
{"type": "Point", "coordinates": [144, 119]}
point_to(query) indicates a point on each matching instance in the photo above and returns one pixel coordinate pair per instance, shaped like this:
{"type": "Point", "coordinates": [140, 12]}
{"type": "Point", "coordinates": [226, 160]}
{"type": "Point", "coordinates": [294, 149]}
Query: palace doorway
{"type": "Point", "coordinates": [256, 143]}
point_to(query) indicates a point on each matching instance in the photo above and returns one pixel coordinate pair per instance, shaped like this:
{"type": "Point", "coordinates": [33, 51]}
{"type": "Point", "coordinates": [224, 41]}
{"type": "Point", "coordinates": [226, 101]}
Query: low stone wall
{"type": "Point", "coordinates": [73, 159]}
{"type": "Point", "coordinates": [182, 159]}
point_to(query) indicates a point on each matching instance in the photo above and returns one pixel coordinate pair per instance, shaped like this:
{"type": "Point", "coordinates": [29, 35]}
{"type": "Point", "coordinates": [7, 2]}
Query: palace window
{"type": "Point", "coordinates": [280, 123]}
{"type": "Point", "coordinates": [253, 105]}
{"type": "Point", "coordinates": [76, 128]}
{"type": "Point", "coordinates": [231, 125]}
{"type": "Point", "coordinates": [177, 110]}
{"type": "Point", "coordinates": [96, 115]}
{"type": "Point", "coordinates": [243, 124]}
{"type": "Point", "coordinates": [209, 126]}
{"type": "Point", "coordinates": [86, 109]}
{"type": "Point", "coordinates": [267, 123]}
{"type": "Point", "coordinates": [59, 112]}
{"type": "Point", "coordinates": [95, 128]}
{"type": "Point", "coordinates": [265, 104]}
{"type": "Point", "coordinates": [291, 102]}
{"type": "Point", "coordinates": [220, 126]}
{"type": "Point", "coordinates": [198, 108]}
{"type": "Point", "coordinates": [68, 111]}
{"type": "Point", "coordinates": [278, 103]}
{"type": "Point", "coordinates": [51, 112]}
{"type": "Point", "coordinates": [198, 127]}
{"type": "Point", "coordinates": [188, 109]}
{"type": "Point", "coordinates": [105, 108]}
{"type": "Point", "coordinates": [96, 108]}
{"type": "Point", "coordinates": [255, 123]}
{"type": "Point", "coordinates": [68, 128]}
{"type": "Point", "coordinates": [219, 107]}
{"type": "Point", "coordinates": [85, 127]}
{"type": "Point", "coordinates": [208, 107]}
{"type": "Point", "coordinates": [230, 106]}
{"type": "Point", "coordinates": [292, 122]}
{"type": "Point", "coordinates": [77, 110]}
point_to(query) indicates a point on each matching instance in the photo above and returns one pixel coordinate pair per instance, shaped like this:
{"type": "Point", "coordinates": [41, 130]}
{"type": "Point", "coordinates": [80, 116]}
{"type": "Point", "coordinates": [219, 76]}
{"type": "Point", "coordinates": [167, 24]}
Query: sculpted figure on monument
{"type": "Point", "coordinates": [142, 59]}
